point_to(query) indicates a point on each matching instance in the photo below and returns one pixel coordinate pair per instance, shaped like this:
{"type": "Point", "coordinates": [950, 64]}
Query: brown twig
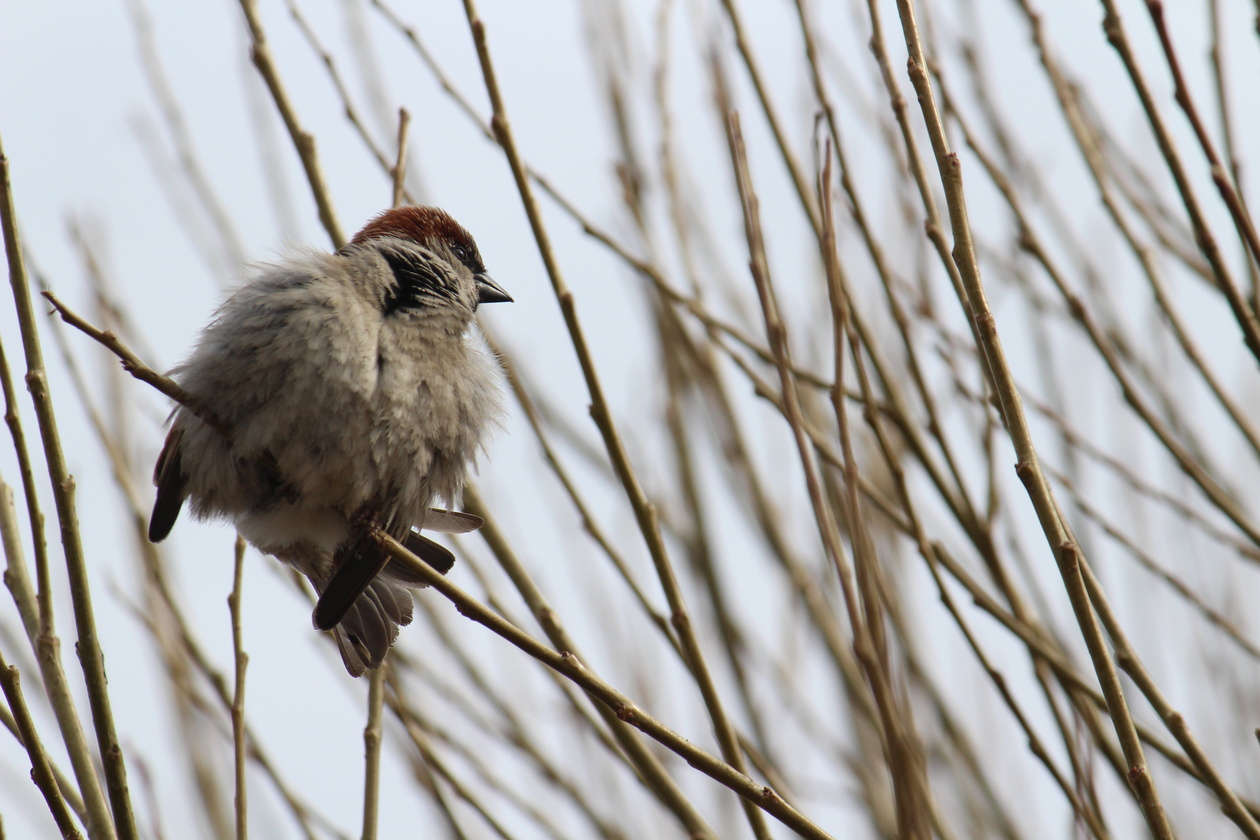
{"type": "Point", "coordinates": [303, 142]}
{"type": "Point", "coordinates": [89, 649]}
{"type": "Point", "coordinates": [241, 660]}
{"type": "Point", "coordinates": [1064, 548]}
{"type": "Point", "coordinates": [625, 709]}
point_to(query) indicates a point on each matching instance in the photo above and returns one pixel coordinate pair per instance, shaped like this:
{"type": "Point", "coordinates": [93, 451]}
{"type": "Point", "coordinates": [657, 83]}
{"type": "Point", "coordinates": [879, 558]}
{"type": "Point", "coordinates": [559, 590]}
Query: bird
{"type": "Point", "coordinates": [351, 392]}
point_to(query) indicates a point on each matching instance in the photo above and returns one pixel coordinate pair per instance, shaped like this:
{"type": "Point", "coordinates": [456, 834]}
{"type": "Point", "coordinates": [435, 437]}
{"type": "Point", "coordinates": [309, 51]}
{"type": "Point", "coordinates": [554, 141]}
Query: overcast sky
{"type": "Point", "coordinates": [90, 148]}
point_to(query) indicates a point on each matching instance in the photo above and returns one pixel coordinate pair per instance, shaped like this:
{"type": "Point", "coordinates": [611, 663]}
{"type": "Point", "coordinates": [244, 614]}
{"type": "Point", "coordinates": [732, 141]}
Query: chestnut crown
{"type": "Point", "coordinates": [422, 225]}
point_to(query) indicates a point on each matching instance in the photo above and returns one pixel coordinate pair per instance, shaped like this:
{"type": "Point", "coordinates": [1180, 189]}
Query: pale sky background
{"type": "Point", "coordinates": [79, 121]}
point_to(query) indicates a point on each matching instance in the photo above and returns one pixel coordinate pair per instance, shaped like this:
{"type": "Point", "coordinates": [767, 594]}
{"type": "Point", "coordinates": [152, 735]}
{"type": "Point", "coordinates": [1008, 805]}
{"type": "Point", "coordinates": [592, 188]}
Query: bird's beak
{"type": "Point", "coordinates": [489, 291]}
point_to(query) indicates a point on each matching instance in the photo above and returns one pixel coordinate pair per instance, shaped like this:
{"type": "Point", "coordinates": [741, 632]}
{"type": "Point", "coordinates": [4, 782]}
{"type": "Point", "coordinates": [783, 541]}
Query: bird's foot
{"type": "Point", "coordinates": [365, 524]}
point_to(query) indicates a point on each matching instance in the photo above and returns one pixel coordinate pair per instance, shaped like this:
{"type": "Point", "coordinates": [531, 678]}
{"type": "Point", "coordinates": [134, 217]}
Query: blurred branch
{"type": "Point", "coordinates": [41, 767]}
{"type": "Point", "coordinates": [303, 142]}
{"type": "Point", "coordinates": [1065, 549]}
{"type": "Point", "coordinates": [241, 659]}
{"type": "Point", "coordinates": [88, 646]}
{"type": "Point", "coordinates": [1113, 26]}
{"type": "Point", "coordinates": [132, 364]}
{"type": "Point", "coordinates": [626, 710]}
{"type": "Point", "coordinates": [372, 752]}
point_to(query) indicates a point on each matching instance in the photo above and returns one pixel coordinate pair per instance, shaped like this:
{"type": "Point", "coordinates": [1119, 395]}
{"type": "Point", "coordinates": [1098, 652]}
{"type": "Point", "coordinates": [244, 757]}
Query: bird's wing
{"type": "Point", "coordinates": [427, 550]}
{"type": "Point", "coordinates": [450, 522]}
{"type": "Point", "coordinates": [172, 487]}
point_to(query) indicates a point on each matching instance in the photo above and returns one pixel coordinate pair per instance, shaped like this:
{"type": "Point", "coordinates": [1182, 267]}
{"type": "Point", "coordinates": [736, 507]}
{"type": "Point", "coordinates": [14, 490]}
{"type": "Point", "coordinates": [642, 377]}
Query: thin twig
{"type": "Point", "coordinates": [241, 660]}
{"type": "Point", "coordinates": [89, 649]}
{"type": "Point", "coordinates": [625, 709]}
{"type": "Point", "coordinates": [399, 170]}
{"type": "Point", "coordinates": [372, 753]}
{"type": "Point", "coordinates": [645, 514]}
{"type": "Point", "coordinates": [41, 767]}
{"type": "Point", "coordinates": [993, 357]}
{"type": "Point", "coordinates": [303, 142]}
{"type": "Point", "coordinates": [132, 364]}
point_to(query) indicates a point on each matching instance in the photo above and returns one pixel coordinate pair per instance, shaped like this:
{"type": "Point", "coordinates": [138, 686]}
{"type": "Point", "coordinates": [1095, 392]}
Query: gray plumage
{"type": "Point", "coordinates": [355, 394]}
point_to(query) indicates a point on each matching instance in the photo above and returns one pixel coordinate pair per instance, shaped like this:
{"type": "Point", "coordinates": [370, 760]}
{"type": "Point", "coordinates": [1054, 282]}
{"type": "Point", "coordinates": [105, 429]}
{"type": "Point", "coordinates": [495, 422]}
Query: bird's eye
{"type": "Point", "coordinates": [462, 252]}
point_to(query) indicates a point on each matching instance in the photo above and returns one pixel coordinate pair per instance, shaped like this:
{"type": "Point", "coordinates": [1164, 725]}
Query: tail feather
{"type": "Point", "coordinates": [364, 595]}
{"type": "Point", "coordinates": [355, 566]}
{"type": "Point", "coordinates": [427, 550]}
{"type": "Point", "coordinates": [371, 624]}
{"type": "Point", "coordinates": [360, 562]}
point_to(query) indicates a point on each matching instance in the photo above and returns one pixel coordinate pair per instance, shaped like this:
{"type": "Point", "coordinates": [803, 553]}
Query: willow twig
{"type": "Point", "coordinates": [241, 659]}
{"type": "Point", "coordinates": [89, 649]}
{"type": "Point", "coordinates": [625, 709]}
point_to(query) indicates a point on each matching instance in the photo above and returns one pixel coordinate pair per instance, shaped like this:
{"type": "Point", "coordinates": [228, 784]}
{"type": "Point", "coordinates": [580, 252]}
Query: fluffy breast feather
{"type": "Point", "coordinates": [438, 397]}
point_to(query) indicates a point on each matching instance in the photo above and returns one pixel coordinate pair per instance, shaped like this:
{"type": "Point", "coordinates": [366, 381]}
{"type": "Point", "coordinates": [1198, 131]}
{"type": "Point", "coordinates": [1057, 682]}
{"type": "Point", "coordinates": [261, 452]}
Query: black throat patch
{"type": "Point", "coordinates": [418, 283]}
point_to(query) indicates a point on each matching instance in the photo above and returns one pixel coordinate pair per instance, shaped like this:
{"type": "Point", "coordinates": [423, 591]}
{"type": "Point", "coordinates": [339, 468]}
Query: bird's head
{"type": "Point", "coordinates": [433, 262]}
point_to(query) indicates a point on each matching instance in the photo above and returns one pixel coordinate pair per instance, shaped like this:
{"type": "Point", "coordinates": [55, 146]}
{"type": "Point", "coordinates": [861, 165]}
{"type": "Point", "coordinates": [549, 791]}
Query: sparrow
{"type": "Point", "coordinates": [355, 394]}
